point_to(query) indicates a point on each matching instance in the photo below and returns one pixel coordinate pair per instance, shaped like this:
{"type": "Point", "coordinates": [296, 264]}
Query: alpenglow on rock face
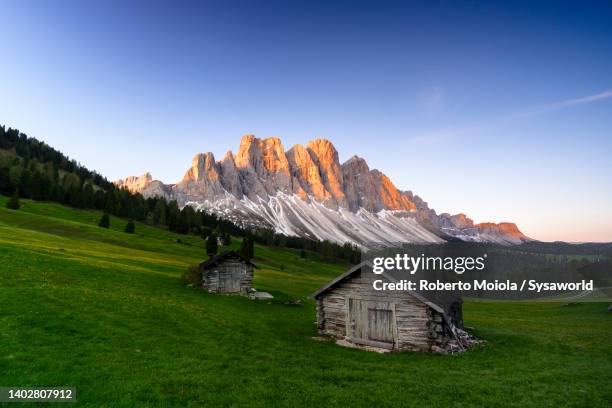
{"type": "Point", "coordinates": [307, 192]}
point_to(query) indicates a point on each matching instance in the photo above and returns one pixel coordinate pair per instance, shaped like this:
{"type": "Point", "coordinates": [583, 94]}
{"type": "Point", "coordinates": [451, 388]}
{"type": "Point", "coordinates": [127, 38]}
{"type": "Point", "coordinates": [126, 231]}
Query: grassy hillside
{"type": "Point", "coordinates": [106, 312]}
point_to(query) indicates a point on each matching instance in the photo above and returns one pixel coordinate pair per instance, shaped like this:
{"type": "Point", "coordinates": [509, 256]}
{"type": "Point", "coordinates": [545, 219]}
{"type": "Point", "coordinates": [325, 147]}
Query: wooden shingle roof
{"type": "Point", "coordinates": [227, 255]}
{"type": "Point", "coordinates": [440, 301]}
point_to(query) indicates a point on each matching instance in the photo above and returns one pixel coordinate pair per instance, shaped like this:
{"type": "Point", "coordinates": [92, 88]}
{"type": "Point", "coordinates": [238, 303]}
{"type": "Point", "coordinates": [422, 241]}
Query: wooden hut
{"type": "Point", "coordinates": [349, 309]}
{"type": "Point", "coordinates": [227, 273]}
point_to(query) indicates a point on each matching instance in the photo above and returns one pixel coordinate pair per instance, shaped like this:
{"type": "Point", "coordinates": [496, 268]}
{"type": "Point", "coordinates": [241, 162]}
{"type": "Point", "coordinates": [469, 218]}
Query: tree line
{"type": "Point", "coordinates": [32, 169]}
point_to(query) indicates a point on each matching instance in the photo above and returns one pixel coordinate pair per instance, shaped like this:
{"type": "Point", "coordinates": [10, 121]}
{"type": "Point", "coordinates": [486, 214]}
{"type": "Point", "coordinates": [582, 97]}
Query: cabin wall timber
{"type": "Point", "coordinates": [229, 276]}
{"type": "Point", "coordinates": [354, 311]}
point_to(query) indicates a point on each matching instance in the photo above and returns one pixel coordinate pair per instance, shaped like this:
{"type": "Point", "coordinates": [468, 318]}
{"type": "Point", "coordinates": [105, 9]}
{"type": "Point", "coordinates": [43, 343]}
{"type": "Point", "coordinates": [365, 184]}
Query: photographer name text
{"type": "Point", "coordinates": [496, 285]}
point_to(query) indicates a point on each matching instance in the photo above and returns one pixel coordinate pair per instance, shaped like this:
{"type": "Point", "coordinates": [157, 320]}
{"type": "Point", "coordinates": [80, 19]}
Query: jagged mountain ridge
{"type": "Point", "coordinates": [307, 192]}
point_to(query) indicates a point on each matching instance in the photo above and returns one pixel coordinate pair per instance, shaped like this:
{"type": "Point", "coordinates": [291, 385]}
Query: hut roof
{"type": "Point", "coordinates": [227, 255]}
{"type": "Point", "coordinates": [440, 301]}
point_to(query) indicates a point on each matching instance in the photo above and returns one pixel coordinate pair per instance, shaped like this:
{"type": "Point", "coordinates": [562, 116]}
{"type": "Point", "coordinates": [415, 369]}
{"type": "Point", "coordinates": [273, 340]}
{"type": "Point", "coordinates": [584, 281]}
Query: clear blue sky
{"type": "Point", "coordinates": [499, 110]}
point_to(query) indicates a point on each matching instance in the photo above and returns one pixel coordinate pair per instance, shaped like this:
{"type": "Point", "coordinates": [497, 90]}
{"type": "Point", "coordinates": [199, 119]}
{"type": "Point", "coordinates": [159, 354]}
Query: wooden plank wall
{"type": "Point", "coordinates": [418, 326]}
{"type": "Point", "coordinates": [236, 270]}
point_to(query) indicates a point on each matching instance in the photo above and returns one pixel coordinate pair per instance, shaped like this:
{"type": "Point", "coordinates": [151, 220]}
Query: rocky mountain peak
{"type": "Point", "coordinates": [264, 166]}
{"type": "Point", "coordinates": [203, 166]}
{"type": "Point", "coordinates": [229, 156]}
{"type": "Point", "coordinates": [504, 228]}
{"type": "Point", "coordinates": [246, 151]}
{"type": "Point", "coordinates": [306, 176]}
{"type": "Point", "coordinates": [355, 165]}
{"type": "Point", "coordinates": [462, 221]}
{"type": "Point", "coordinates": [247, 139]}
{"type": "Point", "coordinates": [390, 197]}
{"type": "Point", "coordinates": [135, 184]}
{"type": "Point", "coordinates": [325, 155]}
{"type": "Point", "coordinates": [273, 153]}
{"type": "Point", "coordinates": [262, 185]}
{"type": "Point", "coordinates": [324, 151]}
{"type": "Point", "coordinates": [371, 189]}
{"type": "Point", "coordinates": [230, 176]}
{"type": "Point", "coordinates": [263, 155]}
{"type": "Point", "coordinates": [509, 228]}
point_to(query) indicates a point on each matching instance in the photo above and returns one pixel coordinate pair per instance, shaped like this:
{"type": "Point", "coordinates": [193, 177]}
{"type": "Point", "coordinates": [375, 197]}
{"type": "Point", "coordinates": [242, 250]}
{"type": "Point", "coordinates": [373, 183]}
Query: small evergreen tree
{"type": "Point", "coordinates": [35, 186]}
{"type": "Point", "coordinates": [182, 225]}
{"type": "Point", "coordinates": [87, 196]}
{"type": "Point", "coordinates": [104, 221]}
{"type": "Point", "coordinates": [24, 183]}
{"type": "Point", "coordinates": [251, 248]}
{"type": "Point", "coordinates": [130, 227]}
{"type": "Point", "coordinates": [246, 248]}
{"type": "Point", "coordinates": [211, 245]}
{"type": "Point", "coordinates": [75, 198]}
{"type": "Point", "coordinates": [13, 202]}
{"type": "Point", "coordinates": [173, 216]}
{"type": "Point", "coordinates": [303, 254]}
{"type": "Point", "coordinates": [159, 212]}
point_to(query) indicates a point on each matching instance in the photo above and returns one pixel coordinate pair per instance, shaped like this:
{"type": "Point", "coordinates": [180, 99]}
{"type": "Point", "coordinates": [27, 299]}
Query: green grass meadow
{"type": "Point", "coordinates": [106, 312]}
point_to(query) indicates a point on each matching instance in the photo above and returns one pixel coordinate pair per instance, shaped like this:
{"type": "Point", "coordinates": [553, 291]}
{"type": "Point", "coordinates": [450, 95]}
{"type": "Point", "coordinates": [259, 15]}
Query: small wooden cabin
{"type": "Point", "coordinates": [227, 273]}
{"type": "Point", "coordinates": [349, 309]}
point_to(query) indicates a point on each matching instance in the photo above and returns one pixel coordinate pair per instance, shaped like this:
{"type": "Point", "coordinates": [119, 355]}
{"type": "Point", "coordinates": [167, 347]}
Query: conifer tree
{"type": "Point", "coordinates": [13, 202]}
{"type": "Point", "coordinates": [104, 221]}
{"type": "Point", "coordinates": [35, 186]}
{"type": "Point", "coordinates": [130, 227]}
{"type": "Point", "coordinates": [182, 226]}
{"type": "Point", "coordinates": [246, 248]}
{"type": "Point", "coordinates": [173, 216]}
{"type": "Point", "coordinates": [88, 196]}
{"type": "Point", "coordinates": [159, 212]}
{"type": "Point", "coordinates": [211, 245]}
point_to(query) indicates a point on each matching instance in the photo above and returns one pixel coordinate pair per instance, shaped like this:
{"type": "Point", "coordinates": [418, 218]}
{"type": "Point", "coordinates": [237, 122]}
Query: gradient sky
{"type": "Point", "coordinates": [502, 111]}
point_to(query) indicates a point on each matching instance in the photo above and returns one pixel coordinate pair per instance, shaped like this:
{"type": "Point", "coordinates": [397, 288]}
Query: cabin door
{"type": "Point", "coordinates": [229, 281]}
{"type": "Point", "coordinates": [371, 323]}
